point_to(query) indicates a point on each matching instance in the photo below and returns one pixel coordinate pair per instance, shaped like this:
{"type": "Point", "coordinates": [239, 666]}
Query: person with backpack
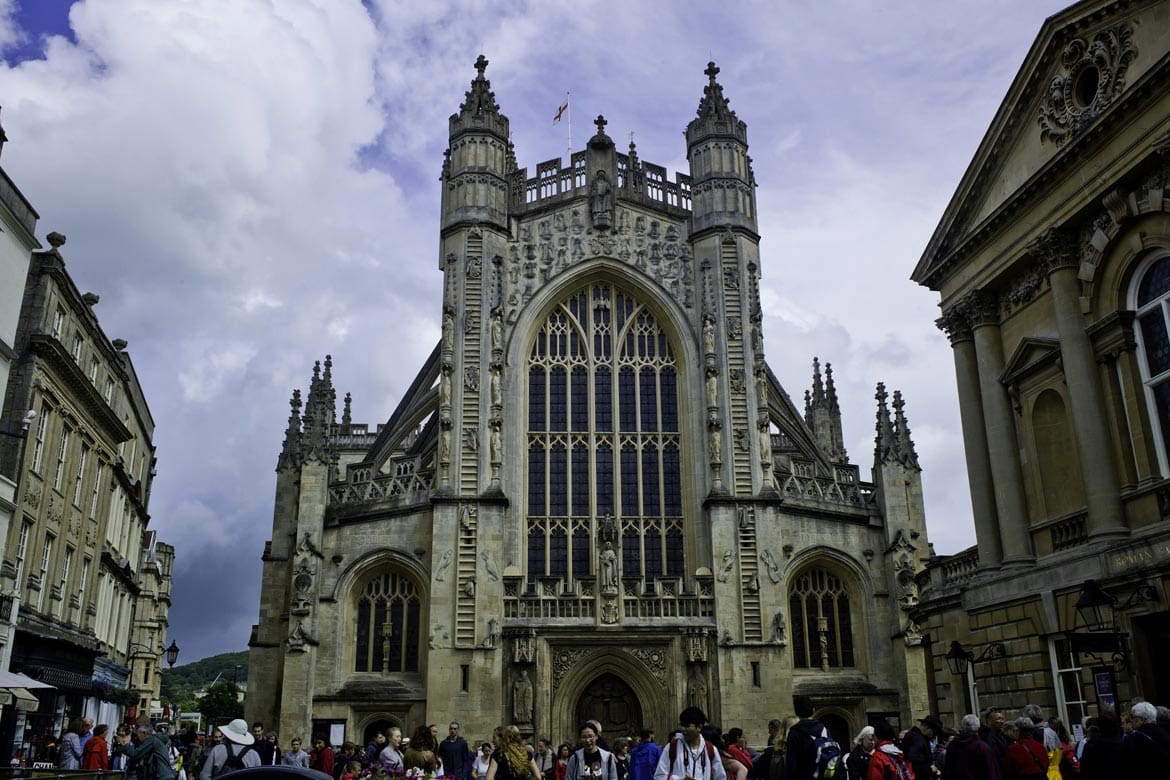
{"type": "Point", "coordinates": [810, 753]}
{"type": "Point", "coordinates": [887, 761]}
{"type": "Point", "coordinates": [689, 756]}
{"type": "Point", "coordinates": [232, 753]}
{"type": "Point", "coordinates": [591, 761]}
{"type": "Point", "coordinates": [916, 745]}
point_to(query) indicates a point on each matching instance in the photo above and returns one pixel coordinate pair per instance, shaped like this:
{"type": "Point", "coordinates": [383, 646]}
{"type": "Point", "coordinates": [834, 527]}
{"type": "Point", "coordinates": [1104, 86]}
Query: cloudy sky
{"type": "Point", "coordinates": [251, 184]}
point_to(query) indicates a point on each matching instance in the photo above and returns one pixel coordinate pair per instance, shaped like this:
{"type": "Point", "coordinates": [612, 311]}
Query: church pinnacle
{"type": "Point", "coordinates": [713, 104]}
{"type": "Point", "coordinates": [480, 99]}
{"type": "Point", "coordinates": [823, 413]}
{"type": "Point", "coordinates": [892, 440]}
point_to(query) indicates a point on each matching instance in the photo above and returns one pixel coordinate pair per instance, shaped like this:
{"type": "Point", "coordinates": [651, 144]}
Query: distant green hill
{"type": "Point", "coordinates": [180, 684]}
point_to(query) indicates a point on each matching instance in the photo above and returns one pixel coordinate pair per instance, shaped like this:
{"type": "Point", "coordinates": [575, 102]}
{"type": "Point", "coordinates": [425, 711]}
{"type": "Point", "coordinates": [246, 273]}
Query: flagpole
{"type": "Point", "coordinates": [569, 103]}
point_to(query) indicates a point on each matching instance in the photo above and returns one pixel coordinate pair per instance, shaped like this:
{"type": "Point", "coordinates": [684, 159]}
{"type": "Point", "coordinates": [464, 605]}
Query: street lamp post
{"type": "Point", "coordinates": [962, 662]}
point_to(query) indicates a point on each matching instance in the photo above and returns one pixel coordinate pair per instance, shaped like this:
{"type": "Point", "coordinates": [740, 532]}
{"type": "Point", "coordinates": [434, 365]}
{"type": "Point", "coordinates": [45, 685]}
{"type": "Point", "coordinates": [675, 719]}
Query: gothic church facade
{"type": "Point", "coordinates": [595, 500]}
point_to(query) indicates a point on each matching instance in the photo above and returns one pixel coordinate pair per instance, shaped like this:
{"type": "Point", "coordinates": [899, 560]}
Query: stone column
{"type": "Point", "coordinates": [987, 533]}
{"type": "Point", "coordinates": [999, 422]}
{"type": "Point", "coordinates": [1086, 396]}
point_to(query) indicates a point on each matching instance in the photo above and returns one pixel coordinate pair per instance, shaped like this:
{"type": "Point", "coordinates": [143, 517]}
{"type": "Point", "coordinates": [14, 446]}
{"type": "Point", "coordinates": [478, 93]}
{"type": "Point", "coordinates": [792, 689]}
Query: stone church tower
{"type": "Point", "coordinates": [595, 500]}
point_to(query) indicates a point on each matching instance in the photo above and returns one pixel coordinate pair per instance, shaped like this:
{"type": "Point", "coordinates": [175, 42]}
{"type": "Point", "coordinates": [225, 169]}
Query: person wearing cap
{"type": "Point", "coordinates": [236, 744]}
{"type": "Point", "coordinates": [916, 745]}
{"type": "Point", "coordinates": [152, 751]}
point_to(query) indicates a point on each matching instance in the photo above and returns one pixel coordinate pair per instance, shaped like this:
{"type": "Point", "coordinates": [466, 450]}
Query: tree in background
{"type": "Point", "coordinates": [222, 700]}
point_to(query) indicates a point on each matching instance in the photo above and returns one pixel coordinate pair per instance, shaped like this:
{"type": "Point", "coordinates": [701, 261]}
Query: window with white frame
{"type": "Point", "coordinates": [80, 476]}
{"type": "Point", "coordinates": [39, 441]}
{"type": "Point", "coordinates": [46, 557]}
{"type": "Point", "coordinates": [97, 487]}
{"type": "Point", "coordinates": [75, 350]}
{"type": "Point", "coordinates": [1150, 299]}
{"type": "Point", "coordinates": [93, 370]}
{"type": "Point", "coordinates": [21, 551]}
{"type": "Point", "coordinates": [1066, 675]}
{"type": "Point", "coordinates": [62, 452]}
{"type": "Point", "coordinates": [58, 322]}
{"type": "Point", "coordinates": [108, 393]}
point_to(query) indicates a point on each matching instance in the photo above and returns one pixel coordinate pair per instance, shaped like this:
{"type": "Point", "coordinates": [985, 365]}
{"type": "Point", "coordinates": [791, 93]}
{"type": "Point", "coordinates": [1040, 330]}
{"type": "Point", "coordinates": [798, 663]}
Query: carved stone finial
{"type": "Point", "coordinates": [90, 298]}
{"type": "Point", "coordinates": [55, 239]}
{"type": "Point", "coordinates": [481, 63]}
{"type": "Point", "coordinates": [601, 123]}
{"type": "Point", "coordinates": [712, 71]}
{"type": "Point", "coordinates": [120, 344]}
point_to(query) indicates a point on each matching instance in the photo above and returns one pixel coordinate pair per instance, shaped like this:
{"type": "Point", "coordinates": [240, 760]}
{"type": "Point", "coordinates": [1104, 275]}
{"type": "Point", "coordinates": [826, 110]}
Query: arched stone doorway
{"type": "Point", "coordinates": [838, 728]}
{"type": "Point", "coordinates": [608, 700]}
{"type": "Point", "coordinates": [376, 727]}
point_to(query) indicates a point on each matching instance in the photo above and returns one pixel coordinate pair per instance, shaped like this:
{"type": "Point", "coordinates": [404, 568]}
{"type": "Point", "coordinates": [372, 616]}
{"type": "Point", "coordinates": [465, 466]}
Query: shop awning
{"type": "Point", "coordinates": [21, 698]}
{"type": "Point", "coordinates": [9, 680]}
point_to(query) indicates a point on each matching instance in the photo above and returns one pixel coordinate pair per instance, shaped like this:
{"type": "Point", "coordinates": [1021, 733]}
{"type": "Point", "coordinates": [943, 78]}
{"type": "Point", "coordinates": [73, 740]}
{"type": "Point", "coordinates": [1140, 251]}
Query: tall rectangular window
{"type": "Point", "coordinates": [62, 453]}
{"type": "Point", "coordinates": [58, 322]}
{"type": "Point", "coordinates": [1066, 673]}
{"type": "Point", "coordinates": [80, 477]}
{"type": "Point", "coordinates": [46, 556]}
{"type": "Point", "coordinates": [39, 441]}
{"type": "Point", "coordinates": [93, 370]}
{"type": "Point", "coordinates": [75, 350]}
{"type": "Point", "coordinates": [97, 487]}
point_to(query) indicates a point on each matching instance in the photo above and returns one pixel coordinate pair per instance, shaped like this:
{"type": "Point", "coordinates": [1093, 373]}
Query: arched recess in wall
{"type": "Point", "coordinates": [826, 599]}
{"type": "Point", "coordinates": [1149, 297]}
{"type": "Point", "coordinates": [1057, 458]}
{"type": "Point", "coordinates": [383, 613]}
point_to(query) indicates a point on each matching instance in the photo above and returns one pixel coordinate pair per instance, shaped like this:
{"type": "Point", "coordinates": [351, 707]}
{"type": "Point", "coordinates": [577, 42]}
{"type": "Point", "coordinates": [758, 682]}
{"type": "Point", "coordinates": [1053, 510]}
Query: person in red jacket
{"type": "Point", "coordinates": [1026, 758]}
{"type": "Point", "coordinates": [96, 753]}
{"type": "Point", "coordinates": [321, 758]}
{"type": "Point", "coordinates": [887, 761]}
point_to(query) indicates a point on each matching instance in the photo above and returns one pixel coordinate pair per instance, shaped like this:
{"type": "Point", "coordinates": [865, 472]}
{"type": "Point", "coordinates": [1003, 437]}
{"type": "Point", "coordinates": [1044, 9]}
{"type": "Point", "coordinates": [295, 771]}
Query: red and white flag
{"type": "Point", "coordinates": [561, 111]}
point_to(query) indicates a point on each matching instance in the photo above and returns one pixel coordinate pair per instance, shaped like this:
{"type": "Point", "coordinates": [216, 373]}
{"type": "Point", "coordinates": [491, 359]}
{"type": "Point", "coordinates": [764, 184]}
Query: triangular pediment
{"type": "Point", "coordinates": [1083, 63]}
{"type": "Point", "coordinates": [1030, 356]}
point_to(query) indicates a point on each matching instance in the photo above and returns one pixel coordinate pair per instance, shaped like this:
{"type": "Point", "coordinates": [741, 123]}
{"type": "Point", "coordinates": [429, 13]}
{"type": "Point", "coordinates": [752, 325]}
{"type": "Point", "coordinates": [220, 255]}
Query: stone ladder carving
{"type": "Point", "coordinates": [473, 270]}
{"type": "Point", "coordinates": [749, 576]}
{"type": "Point", "coordinates": [741, 455]}
{"type": "Point", "coordinates": [465, 567]}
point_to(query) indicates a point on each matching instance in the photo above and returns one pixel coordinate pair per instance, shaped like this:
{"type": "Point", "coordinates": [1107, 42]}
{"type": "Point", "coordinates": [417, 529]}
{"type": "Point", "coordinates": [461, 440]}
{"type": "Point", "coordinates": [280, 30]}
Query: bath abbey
{"type": "Point", "coordinates": [595, 500]}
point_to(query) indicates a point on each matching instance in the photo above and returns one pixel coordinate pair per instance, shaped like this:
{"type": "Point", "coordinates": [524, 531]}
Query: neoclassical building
{"type": "Point", "coordinates": [1052, 262]}
{"type": "Point", "coordinates": [595, 500]}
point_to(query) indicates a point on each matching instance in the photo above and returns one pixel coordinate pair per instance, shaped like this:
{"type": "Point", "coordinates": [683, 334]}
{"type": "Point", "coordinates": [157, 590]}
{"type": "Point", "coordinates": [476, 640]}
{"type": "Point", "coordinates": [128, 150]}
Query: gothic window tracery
{"type": "Point", "coordinates": [822, 623]}
{"type": "Point", "coordinates": [603, 438]}
{"type": "Point", "coordinates": [387, 623]}
{"type": "Point", "coordinates": [1150, 297]}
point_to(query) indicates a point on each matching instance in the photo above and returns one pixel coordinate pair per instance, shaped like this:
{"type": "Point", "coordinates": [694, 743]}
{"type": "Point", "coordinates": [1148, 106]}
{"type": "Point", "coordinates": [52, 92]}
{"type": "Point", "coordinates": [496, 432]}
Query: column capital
{"type": "Point", "coordinates": [980, 307]}
{"type": "Point", "coordinates": [955, 324]}
{"type": "Point", "coordinates": [1055, 249]}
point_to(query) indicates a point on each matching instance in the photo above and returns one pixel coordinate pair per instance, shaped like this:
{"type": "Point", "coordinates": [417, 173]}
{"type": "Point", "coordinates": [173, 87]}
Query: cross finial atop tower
{"type": "Point", "coordinates": [481, 63]}
{"type": "Point", "coordinates": [712, 71]}
{"type": "Point", "coordinates": [601, 123]}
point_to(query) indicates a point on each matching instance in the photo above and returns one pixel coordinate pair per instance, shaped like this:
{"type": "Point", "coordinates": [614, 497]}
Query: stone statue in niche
{"type": "Point", "coordinates": [448, 330]}
{"type": "Point", "coordinates": [715, 443]}
{"type": "Point", "coordinates": [445, 388]}
{"type": "Point", "coordinates": [497, 395]}
{"type": "Point", "coordinates": [709, 334]}
{"type": "Point", "coordinates": [712, 388]}
{"type": "Point", "coordinates": [471, 377]}
{"type": "Point", "coordinates": [779, 629]}
{"type": "Point", "coordinates": [741, 440]}
{"type": "Point", "coordinates": [601, 201]}
{"type": "Point", "coordinates": [726, 566]}
{"type": "Point", "coordinates": [697, 689]}
{"type": "Point", "coordinates": [522, 698]}
{"type": "Point", "coordinates": [496, 445]}
{"type": "Point", "coordinates": [609, 574]}
{"type": "Point", "coordinates": [471, 439]}
{"type": "Point", "coordinates": [474, 269]}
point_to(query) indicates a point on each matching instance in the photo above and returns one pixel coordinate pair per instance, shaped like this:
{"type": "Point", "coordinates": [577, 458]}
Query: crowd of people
{"type": "Point", "coordinates": [799, 747]}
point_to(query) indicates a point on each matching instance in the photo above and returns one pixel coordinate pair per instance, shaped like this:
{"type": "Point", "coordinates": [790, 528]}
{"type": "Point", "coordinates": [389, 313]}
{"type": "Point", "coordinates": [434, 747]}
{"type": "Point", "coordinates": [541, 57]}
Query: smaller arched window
{"type": "Point", "coordinates": [1151, 299]}
{"type": "Point", "coordinates": [822, 624]}
{"type": "Point", "coordinates": [388, 609]}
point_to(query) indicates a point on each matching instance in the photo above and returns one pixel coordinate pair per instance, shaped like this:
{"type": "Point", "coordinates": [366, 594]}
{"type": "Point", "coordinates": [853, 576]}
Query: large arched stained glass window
{"type": "Point", "coordinates": [603, 440]}
{"type": "Point", "coordinates": [822, 627]}
{"type": "Point", "coordinates": [388, 607]}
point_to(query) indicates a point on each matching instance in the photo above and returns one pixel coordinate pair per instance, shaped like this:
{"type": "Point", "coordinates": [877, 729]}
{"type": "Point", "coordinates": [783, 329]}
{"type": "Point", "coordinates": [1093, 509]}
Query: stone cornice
{"type": "Point", "coordinates": [55, 357]}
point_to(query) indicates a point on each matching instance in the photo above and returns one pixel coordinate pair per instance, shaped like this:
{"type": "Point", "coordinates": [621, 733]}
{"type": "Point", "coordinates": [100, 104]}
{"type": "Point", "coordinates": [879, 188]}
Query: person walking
{"type": "Point", "coordinates": [511, 759]}
{"type": "Point", "coordinates": [234, 751]}
{"type": "Point", "coordinates": [95, 756]}
{"type": "Point", "coordinates": [70, 754]}
{"type": "Point", "coordinates": [688, 755]}
{"type": "Point", "coordinates": [968, 756]}
{"type": "Point", "coordinates": [295, 756]}
{"type": "Point", "coordinates": [857, 762]}
{"type": "Point", "coordinates": [455, 753]}
{"type": "Point", "coordinates": [644, 757]}
{"type": "Point", "coordinates": [152, 751]}
{"type": "Point", "coordinates": [590, 759]}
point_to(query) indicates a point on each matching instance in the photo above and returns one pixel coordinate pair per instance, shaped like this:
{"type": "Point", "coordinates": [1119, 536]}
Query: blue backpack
{"type": "Point", "coordinates": [829, 764]}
